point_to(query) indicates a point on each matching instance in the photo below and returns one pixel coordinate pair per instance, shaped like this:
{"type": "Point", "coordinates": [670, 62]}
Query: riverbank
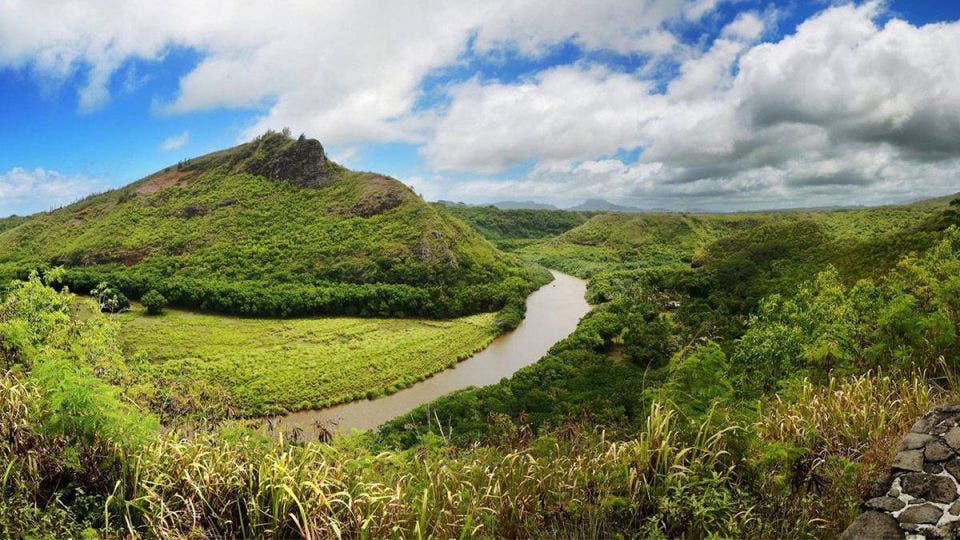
{"type": "Point", "coordinates": [553, 312]}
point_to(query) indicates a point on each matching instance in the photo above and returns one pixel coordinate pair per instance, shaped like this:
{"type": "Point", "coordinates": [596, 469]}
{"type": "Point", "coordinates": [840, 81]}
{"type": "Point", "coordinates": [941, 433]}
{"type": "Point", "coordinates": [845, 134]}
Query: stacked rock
{"type": "Point", "coordinates": [921, 496]}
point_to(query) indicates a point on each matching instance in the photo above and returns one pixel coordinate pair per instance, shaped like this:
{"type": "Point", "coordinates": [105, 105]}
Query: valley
{"type": "Point", "coordinates": [690, 374]}
{"type": "Point", "coordinates": [553, 312]}
{"type": "Point", "coordinates": [631, 269]}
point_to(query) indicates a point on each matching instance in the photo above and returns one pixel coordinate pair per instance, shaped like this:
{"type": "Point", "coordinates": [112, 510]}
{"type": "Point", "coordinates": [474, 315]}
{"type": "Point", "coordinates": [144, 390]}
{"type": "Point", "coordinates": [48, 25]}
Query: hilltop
{"type": "Point", "coordinates": [271, 227]}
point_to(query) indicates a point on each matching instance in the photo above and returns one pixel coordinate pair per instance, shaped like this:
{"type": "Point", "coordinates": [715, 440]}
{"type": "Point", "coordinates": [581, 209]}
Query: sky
{"type": "Point", "coordinates": [673, 104]}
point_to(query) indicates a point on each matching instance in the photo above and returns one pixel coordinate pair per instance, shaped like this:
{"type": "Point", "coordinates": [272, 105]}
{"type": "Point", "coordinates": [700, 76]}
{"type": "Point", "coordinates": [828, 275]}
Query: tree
{"type": "Point", "coordinates": [647, 336]}
{"type": "Point", "coordinates": [154, 302]}
{"type": "Point", "coordinates": [698, 378]}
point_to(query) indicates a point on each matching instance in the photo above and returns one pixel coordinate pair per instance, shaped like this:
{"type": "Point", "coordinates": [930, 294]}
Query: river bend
{"type": "Point", "coordinates": [553, 312]}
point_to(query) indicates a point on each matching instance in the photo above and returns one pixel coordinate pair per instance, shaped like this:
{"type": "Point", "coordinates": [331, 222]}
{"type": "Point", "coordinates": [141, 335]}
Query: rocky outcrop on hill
{"type": "Point", "coordinates": [380, 194]}
{"type": "Point", "coordinates": [921, 496]}
{"type": "Point", "coordinates": [302, 162]}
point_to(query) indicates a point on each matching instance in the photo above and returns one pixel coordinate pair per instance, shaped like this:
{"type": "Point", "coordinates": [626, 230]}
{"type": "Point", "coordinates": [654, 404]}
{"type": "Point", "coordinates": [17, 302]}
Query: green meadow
{"type": "Point", "coordinates": [269, 366]}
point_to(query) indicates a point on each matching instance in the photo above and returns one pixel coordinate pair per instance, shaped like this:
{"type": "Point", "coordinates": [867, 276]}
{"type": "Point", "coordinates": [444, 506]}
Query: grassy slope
{"type": "Point", "coordinates": [210, 223]}
{"type": "Point", "coordinates": [10, 222]}
{"type": "Point", "coordinates": [621, 241]}
{"type": "Point", "coordinates": [274, 365]}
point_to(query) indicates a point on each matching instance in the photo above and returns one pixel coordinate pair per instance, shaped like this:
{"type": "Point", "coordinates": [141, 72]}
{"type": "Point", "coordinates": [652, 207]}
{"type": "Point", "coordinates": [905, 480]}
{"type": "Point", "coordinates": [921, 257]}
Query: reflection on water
{"type": "Point", "coordinates": [553, 312]}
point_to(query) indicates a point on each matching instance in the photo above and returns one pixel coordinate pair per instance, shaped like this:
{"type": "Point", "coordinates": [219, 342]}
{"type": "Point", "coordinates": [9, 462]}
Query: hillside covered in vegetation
{"type": "Point", "coordinates": [773, 311]}
{"type": "Point", "coordinates": [666, 283]}
{"type": "Point", "coordinates": [514, 228]}
{"type": "Point", "coordinates": [271, 227]}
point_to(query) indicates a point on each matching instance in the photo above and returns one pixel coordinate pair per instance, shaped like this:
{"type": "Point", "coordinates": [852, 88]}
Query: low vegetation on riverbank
{"type": "Point", "coordinates": [270, 366]}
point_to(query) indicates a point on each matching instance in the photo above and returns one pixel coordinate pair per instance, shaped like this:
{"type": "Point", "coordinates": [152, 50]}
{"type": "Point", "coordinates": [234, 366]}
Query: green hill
{"type": "Point", "coordinates": [629, 241]}
{"type": "Point", "coordinates": [514, 228]}
{"type": "Point", "coordinates": [11, 222]}
{"type": "Point", "coordinates": [619, 241]}
{"type": "Point", "coordinates": [272, 227]}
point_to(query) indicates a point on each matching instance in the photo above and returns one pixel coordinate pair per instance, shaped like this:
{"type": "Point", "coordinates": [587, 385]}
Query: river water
{"type": "Point", "coordinates": [553, 312]}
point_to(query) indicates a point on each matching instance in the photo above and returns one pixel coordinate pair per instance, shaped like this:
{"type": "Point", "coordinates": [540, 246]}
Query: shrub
{"type": "Point", "coordinates": [153, 302]}
{"type": "Point", "coordinates": [109, 299]}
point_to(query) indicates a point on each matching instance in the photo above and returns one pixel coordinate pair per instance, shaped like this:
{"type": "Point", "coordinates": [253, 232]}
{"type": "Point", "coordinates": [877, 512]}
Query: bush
{"type": "Point", "coordinates": [153, 302]}
{"type": "Point", "coordinates": [110, 299]}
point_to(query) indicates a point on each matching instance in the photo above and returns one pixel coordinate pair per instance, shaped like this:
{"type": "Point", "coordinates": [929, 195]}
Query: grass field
{"type": "Point", "coordinates": [275, 365]}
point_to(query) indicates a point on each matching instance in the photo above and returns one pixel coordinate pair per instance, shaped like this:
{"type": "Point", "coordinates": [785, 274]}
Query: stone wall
{"type": "Point", "coordinates": [921, 496]}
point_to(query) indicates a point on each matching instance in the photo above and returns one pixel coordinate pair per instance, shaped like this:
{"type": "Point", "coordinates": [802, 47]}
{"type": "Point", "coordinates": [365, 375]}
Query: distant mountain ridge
{"type": "Point", "coordinates": [523, 205]}
{"type": "Point", "coordinates": [601, 205]}
{"type": "Point", "coordinates": [504, 205]}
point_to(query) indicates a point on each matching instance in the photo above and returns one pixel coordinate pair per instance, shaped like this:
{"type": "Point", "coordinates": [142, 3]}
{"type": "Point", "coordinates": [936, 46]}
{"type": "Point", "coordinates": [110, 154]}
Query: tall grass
{"type": "Point", "coordinates": [800, 470]}
{"type": "Point", "coordinates": [572, 483]}
{"type": "Point", "coordinates": [821, 449]}
{"type": "Point", "coordinates": [583, 487]}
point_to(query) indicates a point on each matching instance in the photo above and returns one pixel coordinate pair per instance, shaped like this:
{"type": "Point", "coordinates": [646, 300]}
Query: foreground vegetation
{"type": "Point", "coordinates": [269, 366]}
{"type": "Point", "coordinates": [757, 390]}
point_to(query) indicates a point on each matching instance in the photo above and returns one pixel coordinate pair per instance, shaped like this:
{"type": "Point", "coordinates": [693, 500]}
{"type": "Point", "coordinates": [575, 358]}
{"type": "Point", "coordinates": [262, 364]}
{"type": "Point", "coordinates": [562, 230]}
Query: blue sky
{"type": "Point", "coordinates": [659, 104]}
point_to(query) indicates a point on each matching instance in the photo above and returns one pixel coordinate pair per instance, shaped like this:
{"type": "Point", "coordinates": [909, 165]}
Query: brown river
{"type": "Point", "coordinates": [553, 312]}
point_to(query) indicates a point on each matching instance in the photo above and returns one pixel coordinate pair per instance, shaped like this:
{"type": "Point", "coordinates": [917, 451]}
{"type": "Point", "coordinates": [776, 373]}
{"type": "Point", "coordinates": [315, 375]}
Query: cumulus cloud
{"type": "Point", "coordinates": [844, 106]}
{"type": "Point", "coordinates": [566, 112]}
{"type": "Point", "coordinates": [746, 27]}
{"type": "Point", "coordinates": [624, 27]}
{"type": "Point", "coordinates": [24, 191]}
{"type": "Point", "coordinates": [175, 142]}
{"type": "Point", "coordinates": [343, 71]}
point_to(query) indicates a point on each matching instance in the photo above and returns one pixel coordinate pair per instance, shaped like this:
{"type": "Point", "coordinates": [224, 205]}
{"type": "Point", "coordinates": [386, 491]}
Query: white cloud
{"type": "Point", "coordinates": [844, 110]}
{"type": "Point", "coordinates": [841, 106]}
{"type": "Point", "coordinates": [175, 142]}
{"type": "Point", "coordinates": [24, 191]}
{"type": "Point", "coordinates": [567, 112]}
{"type": "Point", "coordinates": [342, 71]}
{"type": "Point", "coordinates": [625, 27]}
{"type": "Point", "coordinates": [747, 26]}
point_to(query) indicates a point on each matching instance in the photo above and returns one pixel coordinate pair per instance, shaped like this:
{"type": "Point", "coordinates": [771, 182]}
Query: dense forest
{"type": "Point", "coordinates": [648, 316]}
{"type": "Point", "coordinates": [744, 375]}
